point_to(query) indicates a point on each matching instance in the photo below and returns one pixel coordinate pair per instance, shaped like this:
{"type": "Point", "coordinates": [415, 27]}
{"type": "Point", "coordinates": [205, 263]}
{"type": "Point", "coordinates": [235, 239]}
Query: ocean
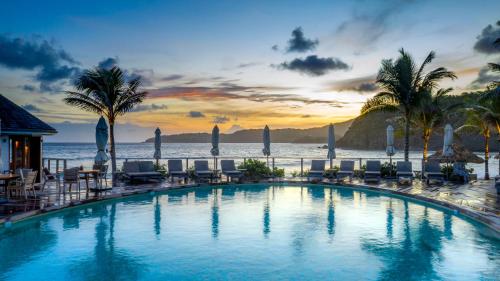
{"type": "Point", "coordinates": [287, 155]}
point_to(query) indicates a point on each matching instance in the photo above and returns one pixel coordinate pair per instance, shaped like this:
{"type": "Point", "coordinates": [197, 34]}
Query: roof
{"type": "Point", "coordinates": [17, 120]}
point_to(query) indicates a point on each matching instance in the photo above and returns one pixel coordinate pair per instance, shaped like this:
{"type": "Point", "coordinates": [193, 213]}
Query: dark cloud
{"type": "Point", "coordinates": [149, 107]}
{"type": "Point", "coordinates": [32, 108]}
{"type": "Point", "coordinates": [245, 65]}
{"type": "Point", "coordinates": [275, 48]}
{"type": "Point", "coordinates": [486, 40]}
{"type": "Point", "coordinates": [314, 65]}
{"type": "Point", "coordinates": [28, 88]}
{"type": "Point", "coordinates": [361, 85]}
{"type": "Point", "coordinates": [221, 119]}
{"type": "Point", "coordinates": [298, 43]}
{"type": "Point", "coordinates": [108, 63]}
{"type": "Point", "coordinates": [230, 91]}
{"type": "Point", "coordinates": [172, 77]}
{"type": "Point", "coordinates": [146, 75]}
{"type": "Point", "coordinates": [51, 63]}
{"type": "Point", "coordinates": [196, 114]}
{"type": "Point", "coordinates": [306, 116]}
{"type": "Point", "coordinates": [484, 78]}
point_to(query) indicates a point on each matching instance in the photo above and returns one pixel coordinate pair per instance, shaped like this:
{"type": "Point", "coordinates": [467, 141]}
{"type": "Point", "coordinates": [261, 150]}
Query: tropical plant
{"type": "Point", "coordinates": [431, 113]}
{"type": "Point", "coordinates": [256, 169]}
{"type": "Point", "coordinates": [480, 119]}
{"type": "Point", "coordinates": [106, 92]}
{"type": "Point", "coordinates": [402, 84]}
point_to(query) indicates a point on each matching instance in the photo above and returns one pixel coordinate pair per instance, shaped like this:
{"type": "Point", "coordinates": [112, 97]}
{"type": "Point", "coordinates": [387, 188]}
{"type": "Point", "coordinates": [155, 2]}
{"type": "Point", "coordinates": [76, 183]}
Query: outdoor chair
{"type": "Point", "coordinates": [102, 176]}
{"type": "Point", "coordinates": [460, 172]}
{"type": "Point", "coordinates": [140, 170]}
{"type": "Point", "coordinates": [346, 170]}
{"type": "Point", "coordinates": [317, 170]}
{"type": "Point", "coordinates": [229, 170]}
{"type": "Point", "coordinates": [175, 170]}
{"type": "Point", "coordinates": [202, 171]}
{"type": "Point", "coordinates": [433, 173]}
{"type": "Point", "coordinates": [22, 188]}
{"type": "Point", "coordinates": [71, 176]}
{"type": "Point", "coordinates": [372, 172]}
{"type": "Point", "coordinates": [48, 177]}
{"type": "Point", "coordinates": [404, 172]}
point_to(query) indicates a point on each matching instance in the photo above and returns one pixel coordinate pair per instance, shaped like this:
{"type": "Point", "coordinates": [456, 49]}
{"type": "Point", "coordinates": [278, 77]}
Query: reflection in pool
{"type": "Point", "coordinates": [257, 232]}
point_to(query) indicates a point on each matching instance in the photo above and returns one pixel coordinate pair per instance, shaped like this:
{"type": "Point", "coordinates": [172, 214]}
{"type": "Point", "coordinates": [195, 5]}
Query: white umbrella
{"type": "Point", "coordinates": [157, 154]}
{"type": "Point", "coordinates": [101, 139]}
{"type": "Point", "coordinates": [448, 141]}
{"type": "Point", "coordinates": [266, 139]}
{"type": "Point", "coordinates": [215, 144]}
{"type": "Point", "coordinates": [331, 144]}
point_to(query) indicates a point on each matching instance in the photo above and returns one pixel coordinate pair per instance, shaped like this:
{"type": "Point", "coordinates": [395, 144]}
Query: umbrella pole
{"type": "Point", "coordinates": [331, 163]}
{"type": "Point", "coordinates": [390, 165]}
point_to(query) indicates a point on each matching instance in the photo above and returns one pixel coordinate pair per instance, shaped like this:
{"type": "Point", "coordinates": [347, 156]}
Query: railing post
{"type": "Point", "coordinates": [48, 164]}
{"type": "Point", "coordinates": [273, 167]}
{"type": "Point", "coordinates": [65, 164]}
{"type": "Point", "coordinates": [187, 163]}
{"type": "Point", "coordinates": [360, 163]}
{"type": "Point", "coordinates": [301, 167]}
{"type": "Point", "coordinates": [57, 165]}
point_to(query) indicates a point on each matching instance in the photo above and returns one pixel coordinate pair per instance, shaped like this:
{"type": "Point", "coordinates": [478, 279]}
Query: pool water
{"type": "Point", "coordinates": [251, 232]}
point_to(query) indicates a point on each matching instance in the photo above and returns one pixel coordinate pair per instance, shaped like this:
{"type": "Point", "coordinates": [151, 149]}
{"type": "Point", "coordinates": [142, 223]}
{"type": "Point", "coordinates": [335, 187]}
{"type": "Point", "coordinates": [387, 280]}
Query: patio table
{"type": "Point", "coordinates": [7, 178]}
{"type": "Point", "coordinates": [86, 175]}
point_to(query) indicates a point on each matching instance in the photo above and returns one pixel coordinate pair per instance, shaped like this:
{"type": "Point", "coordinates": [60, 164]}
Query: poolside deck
{"type": "Point", "coordinates": [477, 200]}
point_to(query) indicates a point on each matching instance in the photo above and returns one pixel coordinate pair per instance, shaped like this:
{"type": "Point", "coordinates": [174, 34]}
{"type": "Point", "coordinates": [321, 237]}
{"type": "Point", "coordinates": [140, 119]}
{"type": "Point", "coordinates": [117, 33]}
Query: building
{"type": "Point", "coordinates": [21, 137]}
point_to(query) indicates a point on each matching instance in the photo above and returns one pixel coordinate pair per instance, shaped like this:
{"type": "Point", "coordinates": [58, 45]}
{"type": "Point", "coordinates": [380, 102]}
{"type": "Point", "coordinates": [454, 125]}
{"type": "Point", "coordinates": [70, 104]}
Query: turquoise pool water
{"type": "Point", "coordinates": [250, 232]}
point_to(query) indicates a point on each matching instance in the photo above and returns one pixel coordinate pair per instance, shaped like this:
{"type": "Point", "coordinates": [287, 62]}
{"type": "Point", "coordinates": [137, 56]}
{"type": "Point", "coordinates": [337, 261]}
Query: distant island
{"type": "Point", "coordinates": [288, 135]}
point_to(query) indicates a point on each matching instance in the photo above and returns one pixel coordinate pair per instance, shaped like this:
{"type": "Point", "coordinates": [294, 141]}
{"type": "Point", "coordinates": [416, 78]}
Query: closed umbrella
{"type": "Point", "coordinates": [448, 141]}
{"type": "Point", "coordinates": [266, 139]}
{"type": "Point", "coordinates": [215, 144]}
{"type": "Point", "coordinates": [101, 140]}
{"type": "Point", "coordinates": [1, 164]}
{"type": "Point", "coordinates": [331, 144]}
{"type": "Point", "coordinates": [157, 154]}
{"type": "Point", "coordinates": [390, 150]}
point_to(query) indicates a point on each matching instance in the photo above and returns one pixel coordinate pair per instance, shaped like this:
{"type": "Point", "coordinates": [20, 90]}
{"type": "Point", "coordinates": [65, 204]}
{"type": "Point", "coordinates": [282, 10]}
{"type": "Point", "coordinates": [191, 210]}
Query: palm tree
{"type": "Point", "coordinates": [402, 84]}
{"type": "Point", "coordinates": [431, 113]}
{"type": "Point", "coordinates": [480, 119]}
{"type": "Point", "coordinates": [106, 92]}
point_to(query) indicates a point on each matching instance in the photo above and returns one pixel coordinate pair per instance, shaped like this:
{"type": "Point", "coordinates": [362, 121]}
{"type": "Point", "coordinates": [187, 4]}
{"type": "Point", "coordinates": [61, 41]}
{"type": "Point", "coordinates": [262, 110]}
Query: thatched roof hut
{"type": "Point", "coordinates": [460, 154]}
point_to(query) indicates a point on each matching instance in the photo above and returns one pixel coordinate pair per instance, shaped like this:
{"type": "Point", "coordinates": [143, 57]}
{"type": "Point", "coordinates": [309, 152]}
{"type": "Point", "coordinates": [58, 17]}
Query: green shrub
{"type": "Point", "coordinates": [256, 169]}
{"type": "Point", "coordinates": [387, 169]}
{"type": "Point", "coordinates": [279, 172]}
{"type": "Point", "coordinates": [161, 168]}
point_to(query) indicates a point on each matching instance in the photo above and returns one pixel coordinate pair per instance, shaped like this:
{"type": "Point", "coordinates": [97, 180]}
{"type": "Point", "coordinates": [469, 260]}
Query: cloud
{"type": "Point", "coordinates": [365, 28]}
{"type": "Point", "coordinates": [484, 78]}
{"type": "Point", "coordinates": [361, 85]}
{"type": "Point", "coordinates": [108, 63]}
{"type": "Point", "coordinates": [51, 63]}
{"type": "Point", "coordinates": [172, 77]}
{"type": "Point", "coordinates": [28, 88]}
{"type": "Point", "coordinates": [275, 48]}
{"type": "Point", "coordinates": [306, 116]}
{"type": "Point", "coordinates": [245, 65]}
{"type": "Point", "coordinates": [146, 75]}
{"type": "Point", "coordinates": [314, 65]}
{"type": "Point", "coordinates": [221, 119]}
{"type": "Point", "coordinates": [196, 114]}
{"type": "Point", "coordinates": [234, 128]}
{"type": "Point", "coordinates": [32, 108]}
{"type": "Point", "coordinates": [298, 43]}
{"type": "Point", "coordinates": [149, 107]}
{"type": "Point", "coordinates": [230, 91]}
{"type": "Point", "coordinates": [486, 40]}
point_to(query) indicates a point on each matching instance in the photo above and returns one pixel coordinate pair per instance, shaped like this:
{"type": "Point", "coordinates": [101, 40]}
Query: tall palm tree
{"type": "Point", "coordinates": [402, 84]}
{"type": "Point", "coordinates": [106, 92]}
{"type": "Point", "coordinates": [480, 119]}
{"type": "Point", "coordinates": [431, 113]}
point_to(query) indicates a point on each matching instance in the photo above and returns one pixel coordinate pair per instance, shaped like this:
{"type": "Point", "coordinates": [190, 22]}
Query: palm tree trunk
{"type": "Point", "coordinates": [407, 137]}
{"type": "Point", "coordinates": [426, 138]}
{"type": "Point", "coordinates": [112, 148]}
{"type": "Point", "coordinates": [486, 155]}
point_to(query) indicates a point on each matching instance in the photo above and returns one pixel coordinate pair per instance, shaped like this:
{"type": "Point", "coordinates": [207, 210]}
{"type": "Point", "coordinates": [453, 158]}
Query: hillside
{"type": "Point", "coordinates": [289, 135]}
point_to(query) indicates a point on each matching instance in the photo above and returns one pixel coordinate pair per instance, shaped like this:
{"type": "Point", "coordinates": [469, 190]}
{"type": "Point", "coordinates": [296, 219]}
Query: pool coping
{"type": "Point", "coordinates": [457, 209]}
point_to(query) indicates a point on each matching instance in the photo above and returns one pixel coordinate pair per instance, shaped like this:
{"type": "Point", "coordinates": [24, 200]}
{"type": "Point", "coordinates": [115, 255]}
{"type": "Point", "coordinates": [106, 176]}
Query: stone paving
{"type": "Point", "coordinates": [477, 199]}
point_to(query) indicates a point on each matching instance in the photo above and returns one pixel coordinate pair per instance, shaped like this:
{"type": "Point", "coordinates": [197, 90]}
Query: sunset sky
{"type": "Point", "coordinates": [239, 64]}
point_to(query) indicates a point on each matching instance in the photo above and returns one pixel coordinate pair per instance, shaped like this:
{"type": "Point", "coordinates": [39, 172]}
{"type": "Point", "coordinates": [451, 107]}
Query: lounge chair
{"type": "Point", "coordinates": [229, 170]}
{"type": "Point", "coordinates": [346, 170]}
{"type": "Point", "coordinates": [372, 172]}
{"type": "Point", "coordinates": [460, 172]}
{"type": "Point", "coordinates": [175, 170]}
{"type": "Point", "coordinates": [317, 170]}
{"type": "Point", "coordinates": [202, 171]}
{"type": "Point", "coordinates": [433, 172]}
{"type": "Point", "coordinates": [140, 170]}
{"type": "Point", "coordinates": [404, 171]}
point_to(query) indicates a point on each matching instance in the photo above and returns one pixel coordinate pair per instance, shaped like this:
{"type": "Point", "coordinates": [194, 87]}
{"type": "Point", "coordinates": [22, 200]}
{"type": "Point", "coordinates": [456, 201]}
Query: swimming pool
{"type": "Point", "coordinates": [250, 232]}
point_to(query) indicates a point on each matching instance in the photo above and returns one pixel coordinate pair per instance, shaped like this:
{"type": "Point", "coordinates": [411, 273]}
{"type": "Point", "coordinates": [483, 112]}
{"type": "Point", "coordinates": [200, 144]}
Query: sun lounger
{"type": "Point", "coordinates": [229, 170]}
{"type": "Point", "coordinates": [317, 170]}
{"type": "Point", "coordinates": [202, 171]}
{"type": "Point", "coordinates": [140, 170]}
{"type": "Point", "coordinates": [404, 172]}
{"type": "Point", "coordinates": [433, 172]}
{"type": "Point", "coordinates": [372, 172]}
{"type": "Point", "coordinates": [346, 170]}
{"type": "Point", "coordinates": [175, 170]}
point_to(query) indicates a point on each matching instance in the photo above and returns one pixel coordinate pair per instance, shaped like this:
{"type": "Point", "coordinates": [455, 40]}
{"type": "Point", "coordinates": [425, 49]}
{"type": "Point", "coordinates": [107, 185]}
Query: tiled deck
{"type": "Point", "coordinates": [477, 200]}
